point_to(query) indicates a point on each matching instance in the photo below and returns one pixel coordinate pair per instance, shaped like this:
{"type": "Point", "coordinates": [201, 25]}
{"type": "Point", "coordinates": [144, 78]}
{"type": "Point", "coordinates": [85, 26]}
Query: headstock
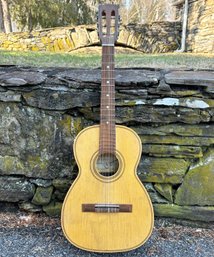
{"type": "Point", "coordinates": [108, 23]}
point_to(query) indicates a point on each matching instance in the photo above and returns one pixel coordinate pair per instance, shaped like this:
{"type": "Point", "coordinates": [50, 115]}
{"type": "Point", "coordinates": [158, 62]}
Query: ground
{"type": "Point", "coordinates": [90, 57]}
{"type": "Point", "coordinates": [36, 235]}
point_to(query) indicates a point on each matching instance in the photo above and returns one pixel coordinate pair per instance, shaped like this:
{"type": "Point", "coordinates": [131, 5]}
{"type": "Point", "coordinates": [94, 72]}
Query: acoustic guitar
{"type": "Point", "coordinates": [107, 209]}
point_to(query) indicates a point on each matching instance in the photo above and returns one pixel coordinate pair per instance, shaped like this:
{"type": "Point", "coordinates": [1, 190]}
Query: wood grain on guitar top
{"type": "Point", "coordinates": [107, 232]}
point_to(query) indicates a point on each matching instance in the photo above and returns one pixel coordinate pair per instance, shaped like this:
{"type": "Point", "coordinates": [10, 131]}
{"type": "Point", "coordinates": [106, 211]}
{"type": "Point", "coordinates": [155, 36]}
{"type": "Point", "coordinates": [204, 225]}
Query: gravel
{"type": "Point", "coordinates": [36, 235]}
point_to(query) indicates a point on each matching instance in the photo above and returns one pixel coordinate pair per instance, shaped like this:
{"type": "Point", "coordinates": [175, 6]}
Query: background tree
{"type": "Point", "coordinates": [147, 11]}
{"type": "Point", "coordinates": [1, 19]}
{"type": "Point", "coordinates": [31, 14]}
{"type": "Point", "coordinates": [34, 14]}
{"type": "Point", "coordinates": [6, 16]}
{"type": "Point", "coordinates": [138, 11]}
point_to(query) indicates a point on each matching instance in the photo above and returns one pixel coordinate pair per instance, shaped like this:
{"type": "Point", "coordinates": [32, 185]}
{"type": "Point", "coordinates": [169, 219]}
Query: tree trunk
{"type": "Point", "coordinates": [30, 21]}
{"type": "Point", "coordinates": [6, 16]}
{"type": "Point", "coordinates": [1, 19]}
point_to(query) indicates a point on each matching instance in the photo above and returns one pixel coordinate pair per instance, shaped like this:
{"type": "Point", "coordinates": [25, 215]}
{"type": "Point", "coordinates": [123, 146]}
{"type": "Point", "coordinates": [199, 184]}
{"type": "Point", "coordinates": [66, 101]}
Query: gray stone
{"type": "Point", "coordinates": [190, 102]}
{"type": "Point", "coordinates": [14, 189]}
{"type": "Point", "coordinates": [149, 114]}
{"type": "Point", "coordinates": [15, 81]}
{"type": "Point", "coordinates": [10, 96]}
{"type": "Point", "coordinates": [28, 206]}
{"type": "Point", "coordinates": [143, 93]}
{"type": "Point", "coordinates": [123, 77]}
{"type": "Point", "coordinates": [22, 78]}
{"type": "Point", "coordinates": [163, 87]}
{"type": "Point", "coordinates": [162, 170]}
{"type": "Point", "coordinates": [154, 195]}
{"type": "Point", "coordinates": [61, 100]}
{"type": "Point", "coordinates": [201, 130]}
{"type": "Point", "coordinates": [41, 182]}
{"type": "Point", "coordinates": [198, 185]}
{"type": "Point", "coordinates": [40, 144]}
{"type": "Point", "coordinates": [195, 78]}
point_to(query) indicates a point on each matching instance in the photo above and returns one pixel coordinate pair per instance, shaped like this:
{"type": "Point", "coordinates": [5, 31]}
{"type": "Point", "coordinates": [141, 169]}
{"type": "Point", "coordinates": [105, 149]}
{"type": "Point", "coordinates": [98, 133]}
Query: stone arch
{"type": "Point", "coordinates": [158, 37]}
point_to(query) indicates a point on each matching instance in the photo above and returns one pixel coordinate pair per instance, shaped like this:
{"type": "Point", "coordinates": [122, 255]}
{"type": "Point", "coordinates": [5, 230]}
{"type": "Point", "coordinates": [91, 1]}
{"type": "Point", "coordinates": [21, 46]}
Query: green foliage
{"type": "Point", "coordinates": [32, 14]}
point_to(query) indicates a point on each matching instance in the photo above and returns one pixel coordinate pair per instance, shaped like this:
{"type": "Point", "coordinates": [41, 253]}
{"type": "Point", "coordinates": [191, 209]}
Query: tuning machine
{"type": "Point", "coordinates": [119, 20]}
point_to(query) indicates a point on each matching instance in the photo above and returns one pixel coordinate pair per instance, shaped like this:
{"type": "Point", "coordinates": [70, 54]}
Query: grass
{"type": "Point", "coordinates": [86, 58]}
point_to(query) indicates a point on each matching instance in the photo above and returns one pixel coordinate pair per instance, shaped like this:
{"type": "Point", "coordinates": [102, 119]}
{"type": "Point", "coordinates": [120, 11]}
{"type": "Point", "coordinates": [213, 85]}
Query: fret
{"type": "Point", "coordinates": [108, 78]}
{"type": "Point", "coordinates": [108, 62]}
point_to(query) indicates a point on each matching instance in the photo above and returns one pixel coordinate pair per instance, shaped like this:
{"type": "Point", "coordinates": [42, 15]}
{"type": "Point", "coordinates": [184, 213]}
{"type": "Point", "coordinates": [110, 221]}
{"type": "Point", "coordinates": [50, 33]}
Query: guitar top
{"type": "Point", "coordinates": [107, 209]}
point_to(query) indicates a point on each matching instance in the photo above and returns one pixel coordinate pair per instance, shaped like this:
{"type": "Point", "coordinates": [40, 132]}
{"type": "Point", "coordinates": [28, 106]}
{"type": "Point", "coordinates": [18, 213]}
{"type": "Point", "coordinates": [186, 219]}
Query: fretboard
{"type": "Point", "coordinates": [107, 105]}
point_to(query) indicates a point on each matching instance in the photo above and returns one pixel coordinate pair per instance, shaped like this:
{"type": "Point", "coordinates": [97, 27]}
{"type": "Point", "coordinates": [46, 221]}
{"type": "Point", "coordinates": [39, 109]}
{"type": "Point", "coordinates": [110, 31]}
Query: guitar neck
{"type": "Point", "coordinates": [107, 105]}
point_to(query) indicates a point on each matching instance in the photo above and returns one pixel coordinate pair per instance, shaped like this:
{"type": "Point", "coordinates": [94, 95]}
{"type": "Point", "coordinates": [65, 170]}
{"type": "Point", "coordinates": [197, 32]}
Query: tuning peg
{"type": "Point", "coordinates": [120, 20]}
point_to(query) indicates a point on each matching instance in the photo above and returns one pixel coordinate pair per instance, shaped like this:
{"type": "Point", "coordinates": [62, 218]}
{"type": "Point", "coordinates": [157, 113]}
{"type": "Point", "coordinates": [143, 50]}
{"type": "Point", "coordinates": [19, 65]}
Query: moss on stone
{"type": "Point", "coordinates": [176, 140]}
{"type": "Point", "coordinates": [59, 195]}
{"type": "Point", "coordinates": [45, 40]}
{"type": "Point", "coordinates": [53, 209]}
{"type": "Point", "coordinates": [56, 46]}
{"type": "Point", "coordinates": [65, 122]}
{"type": "Point", "coordinates": [11, 165]}
{"type": "Point", "coordinates": [35, 48]}
{"type": "Point", "coordinates": [62, 184]}
{"type": "Point", "coordinates": [69, 42]}
{"type": "Point", "coordinates": [178, 151]}
{"type": "Point", "coordinates": [37, 161]}
{"type": "Point", "coordinates": [162, 170]}
{"type": "Point", "coordinates": [165, 190]}
{"type": "Point", "coordinates": [42, 195]}
{"type": "Point", "coordinates": [60, 44]}
{"type": "Point", "coordinates": [185, 212]}
{"type": "Point", "coordinates": [198, 185]}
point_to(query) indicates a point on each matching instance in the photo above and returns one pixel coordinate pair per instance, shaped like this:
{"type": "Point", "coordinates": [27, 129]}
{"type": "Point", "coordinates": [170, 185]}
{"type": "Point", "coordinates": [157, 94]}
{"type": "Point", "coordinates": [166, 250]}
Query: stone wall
{"type": "Point", "coordinates": [200, 33]}
{"type": "Point", "coordinates": [42, 110]}
{"type": "Point", "coordinates": [159, 37]}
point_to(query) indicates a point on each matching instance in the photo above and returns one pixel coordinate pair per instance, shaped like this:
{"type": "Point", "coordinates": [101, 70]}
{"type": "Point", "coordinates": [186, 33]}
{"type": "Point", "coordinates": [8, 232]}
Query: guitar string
{"type": "Point", "coordinates": [110, 111]}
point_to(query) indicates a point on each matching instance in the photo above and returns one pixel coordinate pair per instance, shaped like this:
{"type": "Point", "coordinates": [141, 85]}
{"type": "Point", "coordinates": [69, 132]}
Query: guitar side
{"type": "Point", "coordinates": [107, 232]}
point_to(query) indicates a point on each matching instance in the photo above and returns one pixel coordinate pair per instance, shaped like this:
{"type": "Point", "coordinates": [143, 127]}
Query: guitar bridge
{"type": "Point", "coordinates": [106, 208]}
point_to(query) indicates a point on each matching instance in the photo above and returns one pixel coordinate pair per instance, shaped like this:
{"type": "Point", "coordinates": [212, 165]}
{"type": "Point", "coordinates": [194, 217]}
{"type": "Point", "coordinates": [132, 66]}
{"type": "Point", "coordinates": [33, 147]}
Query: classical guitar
{"type": "Point", "coordinates": [107, 209]}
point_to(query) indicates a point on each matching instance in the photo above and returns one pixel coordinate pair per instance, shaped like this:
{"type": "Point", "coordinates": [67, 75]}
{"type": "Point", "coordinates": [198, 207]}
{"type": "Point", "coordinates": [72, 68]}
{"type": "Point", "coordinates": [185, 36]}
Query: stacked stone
{"type": "Point", "coordinates": [200, 35]}
{"type": "Point", "coordinates": [157, 37]}
{"type": "Point", "coordinates": [153, 38]}
{"type": "Point", "coordinates": [55, 39]}
{"type": "Point", "coordinates": [42, 110]}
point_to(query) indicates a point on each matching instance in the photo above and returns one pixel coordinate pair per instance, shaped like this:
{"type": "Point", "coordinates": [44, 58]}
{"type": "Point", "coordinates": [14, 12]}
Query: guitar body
{"type": "Point", "coordinates": [107, 231]}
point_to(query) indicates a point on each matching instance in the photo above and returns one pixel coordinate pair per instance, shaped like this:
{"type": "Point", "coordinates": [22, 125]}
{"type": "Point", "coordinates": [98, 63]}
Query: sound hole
{"type": "Point", "coordinates": [107, 164]}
